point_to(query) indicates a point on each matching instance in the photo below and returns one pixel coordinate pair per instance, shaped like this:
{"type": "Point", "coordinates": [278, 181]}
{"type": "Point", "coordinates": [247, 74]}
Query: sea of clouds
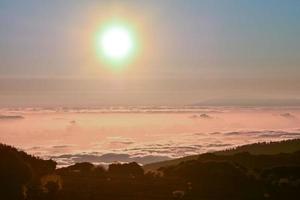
{"type": "Point", "coordinates": [141, 134]}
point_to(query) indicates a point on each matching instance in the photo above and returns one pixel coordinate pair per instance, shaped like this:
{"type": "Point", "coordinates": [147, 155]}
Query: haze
{"type": "Point", "coordinates": [208, 52]}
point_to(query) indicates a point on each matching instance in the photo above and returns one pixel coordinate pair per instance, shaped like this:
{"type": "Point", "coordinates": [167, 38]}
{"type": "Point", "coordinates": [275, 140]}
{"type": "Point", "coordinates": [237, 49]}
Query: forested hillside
{"type": "Point", "coordinates": [263, 148]}
{"type": "Point", "coordinates": [210, 176]}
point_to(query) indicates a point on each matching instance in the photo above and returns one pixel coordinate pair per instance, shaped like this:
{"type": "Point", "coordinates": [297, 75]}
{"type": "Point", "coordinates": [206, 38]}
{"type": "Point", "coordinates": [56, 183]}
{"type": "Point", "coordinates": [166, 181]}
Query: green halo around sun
{"type": "Point", "coordinates": [116, 44]}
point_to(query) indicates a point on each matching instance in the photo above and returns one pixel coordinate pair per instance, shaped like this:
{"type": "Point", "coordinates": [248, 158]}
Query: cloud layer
{"type": "Point", "coordinates": [142, 134]}
{"type": "Point", "coordinates": [189, 144]}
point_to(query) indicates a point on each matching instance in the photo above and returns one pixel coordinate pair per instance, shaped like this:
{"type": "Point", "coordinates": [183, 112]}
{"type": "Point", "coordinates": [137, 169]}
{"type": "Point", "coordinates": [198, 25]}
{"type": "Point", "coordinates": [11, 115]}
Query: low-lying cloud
{"type": "Point", "coordinates": [288, 115]}
{"type": "Point", "coordinates": [11, 117]}
{"type": "Point", "coordinates": [264, 134]}
{"type": "Point", "coordinates": [109, 158]}
{"type": "Point", "coordinates": [201, 116]}
{"type": "Point", "coordinates": [144, 153]}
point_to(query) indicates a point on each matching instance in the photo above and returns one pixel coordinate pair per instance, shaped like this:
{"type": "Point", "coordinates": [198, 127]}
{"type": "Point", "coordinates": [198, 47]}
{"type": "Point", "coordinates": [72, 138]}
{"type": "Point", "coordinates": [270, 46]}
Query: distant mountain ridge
{"type": "Point", "coordinates": [248, 102]}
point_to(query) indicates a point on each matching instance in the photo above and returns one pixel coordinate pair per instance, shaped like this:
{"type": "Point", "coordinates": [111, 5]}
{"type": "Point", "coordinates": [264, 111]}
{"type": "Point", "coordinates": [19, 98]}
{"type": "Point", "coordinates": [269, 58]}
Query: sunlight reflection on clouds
{"type": "Point", "coordinates": [144, 134]}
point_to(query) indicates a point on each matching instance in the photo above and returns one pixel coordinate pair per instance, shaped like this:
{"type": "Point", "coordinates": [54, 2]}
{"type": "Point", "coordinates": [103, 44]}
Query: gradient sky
{"type": "Point", "coordinates": [215, 51]}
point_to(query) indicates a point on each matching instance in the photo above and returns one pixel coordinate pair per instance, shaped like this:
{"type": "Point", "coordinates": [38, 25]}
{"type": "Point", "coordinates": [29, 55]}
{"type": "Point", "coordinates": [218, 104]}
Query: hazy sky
{"type": "Point", "coordinates": [190, 51]}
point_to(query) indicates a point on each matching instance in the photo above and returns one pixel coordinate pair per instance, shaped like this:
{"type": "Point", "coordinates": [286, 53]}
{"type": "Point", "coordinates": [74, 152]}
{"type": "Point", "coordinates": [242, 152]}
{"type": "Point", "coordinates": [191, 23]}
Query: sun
{"type": "Point", "coordinates": [116, 43]}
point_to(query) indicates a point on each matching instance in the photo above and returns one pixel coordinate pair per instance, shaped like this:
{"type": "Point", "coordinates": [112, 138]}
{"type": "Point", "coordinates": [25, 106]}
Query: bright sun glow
{"type": "Point", "coordinates": [116, 44]}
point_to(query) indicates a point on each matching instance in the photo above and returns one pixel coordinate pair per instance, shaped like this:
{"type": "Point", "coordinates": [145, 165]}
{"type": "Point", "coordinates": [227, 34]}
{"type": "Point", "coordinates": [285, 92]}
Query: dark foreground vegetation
{"type": "Point", "coordinates": [239, 175]}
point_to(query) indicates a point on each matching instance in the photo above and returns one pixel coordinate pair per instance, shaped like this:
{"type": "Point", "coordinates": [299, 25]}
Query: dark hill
{"type": "Point", "coordinates": [267, 171]}
{"type": "Point", "coordinates": [263, 148]}
{"type": "Point", "coordinates": [19, 172]}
